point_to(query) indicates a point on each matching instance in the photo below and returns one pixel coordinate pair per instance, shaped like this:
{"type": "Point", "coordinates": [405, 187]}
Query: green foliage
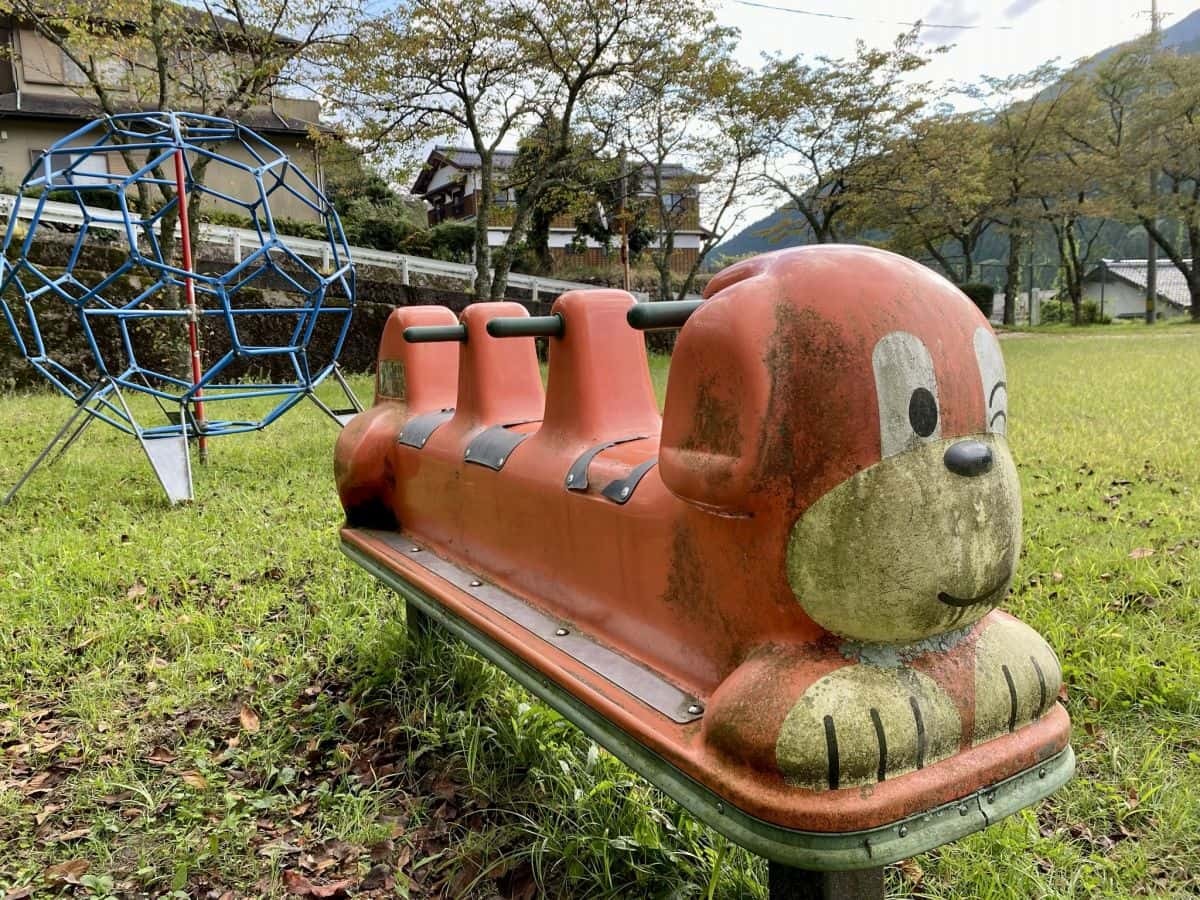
{"type": "Point", "coordinates": [451, 241]}
{"type": "Point", "coordinates": [1058, 311]}
{"type": "Point", "coordinates": [372, 214]}
{"type": "Point", "coordinates": [982, 295]}
{"type": "Point", "coordinates": [1089, 313]}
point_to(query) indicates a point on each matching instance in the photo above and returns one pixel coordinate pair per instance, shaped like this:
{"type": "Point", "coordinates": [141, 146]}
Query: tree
{"type": "Point", "coordinates": [427, 70]}
{"type": "Point", "coordinates": [493, 70]}
{"type": "Point", "coordinates": [931, 193]}
{"type": "Point", "coordinates": [574, 194]}
{"type": "Point", "coordinates": [1144, 118]}
{"type": "Point", "coordinates": [1066, 187]}
{"type": "Point", "coordinates": [1022, 131]}
{"type": "Point", "coordinates": [821, 123]}
{"type": "Point", "coordinates": [690, 135]}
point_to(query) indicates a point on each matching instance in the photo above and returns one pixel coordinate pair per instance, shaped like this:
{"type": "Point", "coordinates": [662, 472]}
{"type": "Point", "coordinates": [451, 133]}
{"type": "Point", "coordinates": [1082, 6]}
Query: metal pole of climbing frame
{"type": "Point", "coordinates": [189, 287]}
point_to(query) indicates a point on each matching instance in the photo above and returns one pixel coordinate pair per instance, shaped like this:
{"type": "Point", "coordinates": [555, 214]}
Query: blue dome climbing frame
{"type": "Point", "coordinates": [125, 183]}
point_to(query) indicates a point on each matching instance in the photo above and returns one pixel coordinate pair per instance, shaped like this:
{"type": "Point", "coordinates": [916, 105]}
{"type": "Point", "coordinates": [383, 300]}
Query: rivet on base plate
{"type": "Point", "coordinates": [695, 709]}
{"type": "Point", "coordinates": [476, 583]}
{"type": "Point", "coordinates": [562, 632]}
{"type": "Point", "coordinates": [903, 831]}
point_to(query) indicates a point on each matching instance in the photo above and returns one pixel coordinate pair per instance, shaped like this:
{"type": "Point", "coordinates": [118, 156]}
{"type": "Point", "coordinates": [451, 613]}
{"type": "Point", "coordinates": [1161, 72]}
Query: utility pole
{"type": "Point", "coordinates": [623, 218]}
{"type": "Point", "coordinates": [1151, 246]}
{"type": "Point", "coordinates": [1030, 265]}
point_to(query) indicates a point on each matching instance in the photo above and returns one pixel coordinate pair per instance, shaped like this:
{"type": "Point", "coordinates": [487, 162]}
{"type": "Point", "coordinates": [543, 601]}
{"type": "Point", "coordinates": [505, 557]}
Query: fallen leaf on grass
{"type": "Point", "coordinates": [300, 886]}
{"type": "Point", "coordinates": [42, 782]}
{"type": "Point", "coordinates": [1141, 552]}
{"type": "Point", "coordinates": [137, 589]}
{"type": "Point", "coordinates": [379, 879]}
{"type": "Point", "coordinates": [75, 834]}
{"type": "Point", "coordinates": [194, 779]}
{"type": "Point", "coordinates": [67, 872]}
{"type": "Point", "coordinates": [912, 872]}
{"type": "Point", "coordinates": [249, 719]}
{"type": "Point", "coordinates": [45, 812]}
{"type": "Point", "coordinates": [19, 893]}
{"type": "Point", "coordinates": [160, 756]}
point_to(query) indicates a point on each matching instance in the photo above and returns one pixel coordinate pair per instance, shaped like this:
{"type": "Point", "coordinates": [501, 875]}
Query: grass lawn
{"type": "Point", "coordinates": [211, 701]}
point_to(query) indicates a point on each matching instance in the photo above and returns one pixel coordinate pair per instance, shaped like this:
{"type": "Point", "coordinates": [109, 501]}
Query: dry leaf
{"type": "Point", "coordinates": [44, 813]}
{"type": "Point", "coordinates": [19, 893]}
{"type": "Point", "coordinates": [249, 719]}
{"type": "Point", "coordinates": [912, 872]}
{"type": "Point", "coordinates": [67, 872]}
{"type": "Point", "coordinates": [67, 836]}
{"type": "Point", "coordinates": [333, 889]}
{"type": "Point", "coordinates": [379, 879]}
{"type": "Point", "coordinates": [160, 756]}
{"type": "Point", "coordinates": [297, 883]}
{"type": "Point", "coordinates": [194, 779]}
{"type": "Point", "coordinates": [1141, 552]}
{"type": "Point", "coordinates": [138, 589]}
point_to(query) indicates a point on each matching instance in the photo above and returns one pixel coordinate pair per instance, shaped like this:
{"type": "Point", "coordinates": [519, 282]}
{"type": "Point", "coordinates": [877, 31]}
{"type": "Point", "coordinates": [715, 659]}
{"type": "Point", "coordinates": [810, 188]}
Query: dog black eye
{"type": "Point", "coordinates": [922, 412]}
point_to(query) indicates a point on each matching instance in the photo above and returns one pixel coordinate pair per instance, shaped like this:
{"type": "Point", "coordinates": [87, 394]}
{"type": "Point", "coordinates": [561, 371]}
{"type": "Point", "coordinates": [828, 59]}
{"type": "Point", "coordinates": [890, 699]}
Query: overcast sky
{"type": "Point", "coordinates": [1012, 35]}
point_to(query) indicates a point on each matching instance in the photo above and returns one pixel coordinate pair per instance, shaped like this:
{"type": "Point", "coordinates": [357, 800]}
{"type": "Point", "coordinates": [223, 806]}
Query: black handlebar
{"type": "Point", "coordinates": [429, 334]}
{"type": "Point", "coordinates": [661, 314]}
{"type": "Point", "coordinates": [526, 326]}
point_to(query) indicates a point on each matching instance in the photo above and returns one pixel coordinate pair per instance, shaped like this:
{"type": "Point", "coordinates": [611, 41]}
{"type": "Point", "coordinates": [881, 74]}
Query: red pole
{"type": "Point", "coordinates": [190, 291]}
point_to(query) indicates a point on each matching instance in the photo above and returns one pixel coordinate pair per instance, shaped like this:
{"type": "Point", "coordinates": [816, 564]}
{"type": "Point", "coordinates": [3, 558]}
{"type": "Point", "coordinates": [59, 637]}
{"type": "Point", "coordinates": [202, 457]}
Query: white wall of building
{"type": "Point", "coordinates": [1121, 300]}
{"type": "Point", "coordinates": [561, 238]}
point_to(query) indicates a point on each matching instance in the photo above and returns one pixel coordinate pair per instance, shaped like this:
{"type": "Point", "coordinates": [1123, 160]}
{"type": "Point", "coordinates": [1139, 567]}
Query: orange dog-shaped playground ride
{"type": "Point", "coordinates": [777, 601]}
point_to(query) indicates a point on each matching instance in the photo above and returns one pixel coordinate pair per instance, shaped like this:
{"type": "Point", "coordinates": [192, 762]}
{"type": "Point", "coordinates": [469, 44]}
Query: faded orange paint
{"type": "Point", "coordinates": [771, 404]}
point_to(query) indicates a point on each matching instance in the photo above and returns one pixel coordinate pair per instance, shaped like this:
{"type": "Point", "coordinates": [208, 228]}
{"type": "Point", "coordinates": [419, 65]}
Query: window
{"type": "Point", "coordinates": [76, 168]}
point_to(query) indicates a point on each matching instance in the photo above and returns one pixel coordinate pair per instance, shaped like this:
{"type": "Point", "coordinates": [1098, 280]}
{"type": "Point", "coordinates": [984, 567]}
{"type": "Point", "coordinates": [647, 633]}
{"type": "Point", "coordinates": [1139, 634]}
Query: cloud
{"type": "Point", "coordinates": [950, 12]}
{"type": "Point", "coordinates": [1019, 8]}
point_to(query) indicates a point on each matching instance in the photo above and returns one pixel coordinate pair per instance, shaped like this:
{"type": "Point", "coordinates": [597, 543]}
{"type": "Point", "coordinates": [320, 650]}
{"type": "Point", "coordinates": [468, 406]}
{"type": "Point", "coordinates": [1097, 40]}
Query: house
{"type": "Point", "coordinates": [1118, 287]}
{"type": "Point", "coordinates": [449, 183]}
{"type": "Point", "coordinates": [44, 97]}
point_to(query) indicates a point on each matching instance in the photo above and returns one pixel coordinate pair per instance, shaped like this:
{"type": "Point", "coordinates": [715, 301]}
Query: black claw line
{"type": "Point", "coordinates": [1012, 699]}
{"type": "Point", "coordinates": [832, 748]}
{"type": "Point", "coordinates": [1041, 688]}
{"type": "Point", "coordinates": [881, 739]}
{"type": "Point", "coordinates": [916, 711]}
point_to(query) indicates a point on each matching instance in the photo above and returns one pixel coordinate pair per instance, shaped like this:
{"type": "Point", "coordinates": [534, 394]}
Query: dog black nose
{"type": "Point", "coordinates": [968, 458]}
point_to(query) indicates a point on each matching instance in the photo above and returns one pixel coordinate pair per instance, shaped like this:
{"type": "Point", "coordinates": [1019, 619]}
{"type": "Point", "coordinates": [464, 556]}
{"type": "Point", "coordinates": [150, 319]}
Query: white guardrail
{"type": "Point", "coordinates": [239, 239]}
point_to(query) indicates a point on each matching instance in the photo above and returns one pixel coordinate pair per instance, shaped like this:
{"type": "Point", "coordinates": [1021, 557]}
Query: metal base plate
{"type": "Point", "coordinates": [172, 464]}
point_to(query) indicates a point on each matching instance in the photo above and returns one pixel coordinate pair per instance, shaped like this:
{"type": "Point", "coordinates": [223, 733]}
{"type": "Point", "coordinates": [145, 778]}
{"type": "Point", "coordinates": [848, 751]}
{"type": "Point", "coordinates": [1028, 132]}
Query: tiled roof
{"type": "Point", "coordinates": [1169, 281]}
{"type": "Point", "coordinates": [466, 158]}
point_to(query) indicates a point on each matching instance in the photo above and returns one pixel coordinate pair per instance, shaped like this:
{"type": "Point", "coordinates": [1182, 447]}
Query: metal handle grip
{"type": "Point", "coordinates": [661, 314]}
{"type": "Point", "coordinates": [526, 326]}
{"type": "Point", "coordinates": [429, 334]}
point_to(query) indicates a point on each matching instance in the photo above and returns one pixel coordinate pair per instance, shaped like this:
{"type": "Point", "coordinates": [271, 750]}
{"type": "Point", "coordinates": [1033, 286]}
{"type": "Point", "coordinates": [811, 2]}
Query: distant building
{"type": "Point", "coordinates": [44, 97]}
{"type": "Point", "coordinates": [450, 183]}
{"type": "Point", "coordinates": [1118, 287]}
